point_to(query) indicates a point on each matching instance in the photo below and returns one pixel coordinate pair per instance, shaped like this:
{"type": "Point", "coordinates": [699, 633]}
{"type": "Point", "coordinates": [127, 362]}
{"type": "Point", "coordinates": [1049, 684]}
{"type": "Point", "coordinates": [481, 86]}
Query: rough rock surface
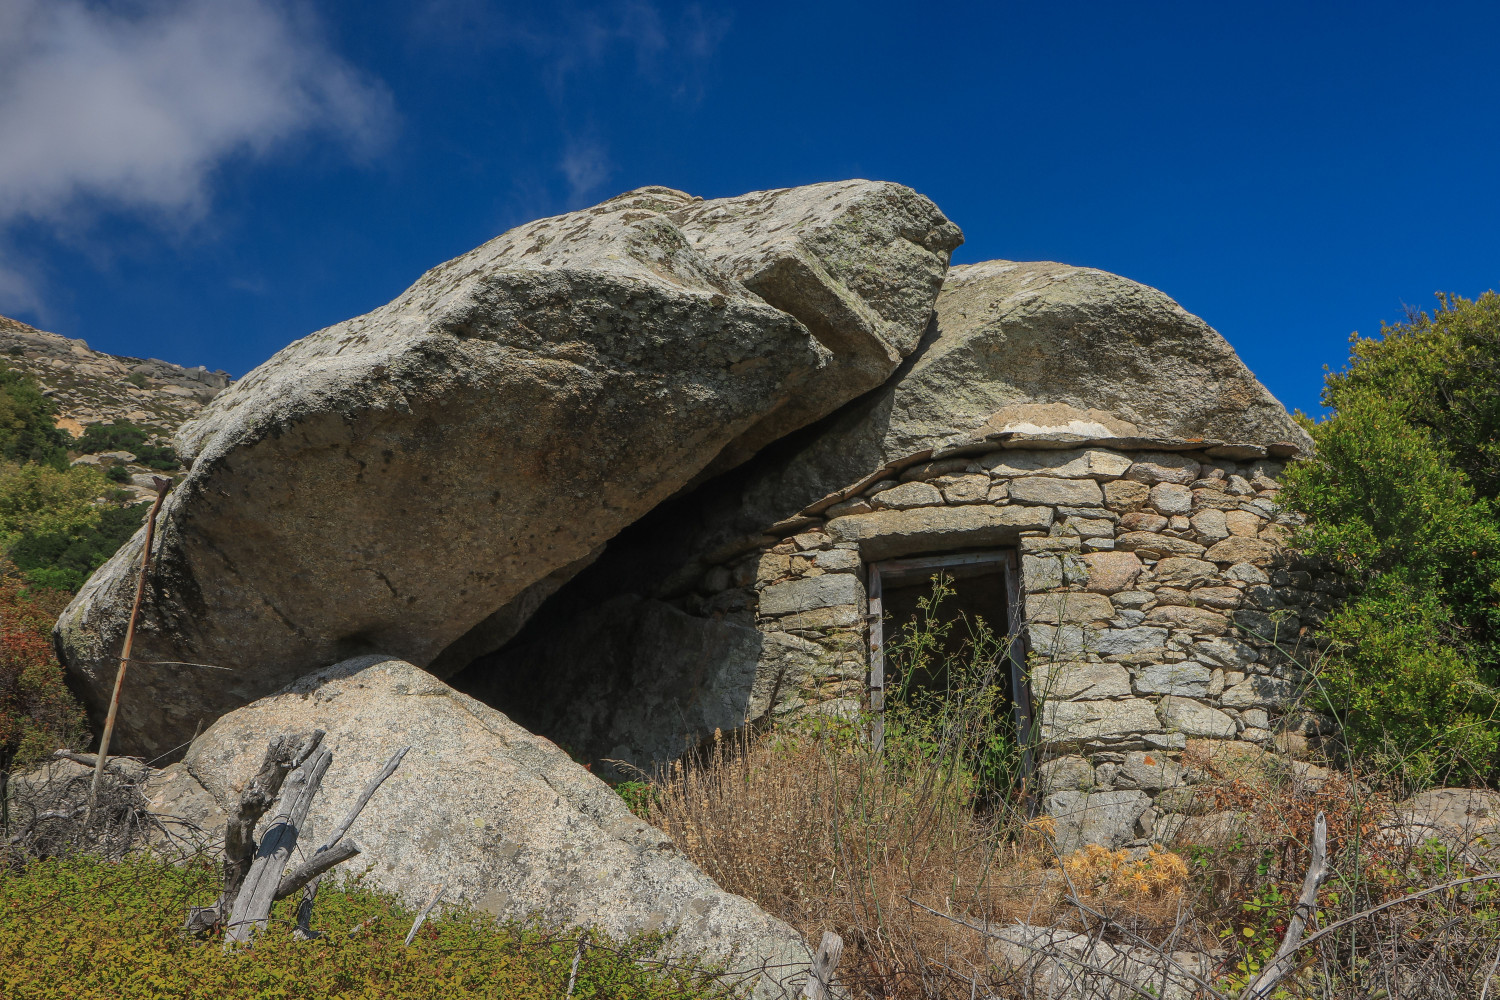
{"type": "Point", "coordinates": [394, 481]}
{"type": "Point", "coordinates": [1021, 353]}
{"type": "Point", "coordinates": [503, 818]}
{"type": "Point", "coordinates": [91, 387]}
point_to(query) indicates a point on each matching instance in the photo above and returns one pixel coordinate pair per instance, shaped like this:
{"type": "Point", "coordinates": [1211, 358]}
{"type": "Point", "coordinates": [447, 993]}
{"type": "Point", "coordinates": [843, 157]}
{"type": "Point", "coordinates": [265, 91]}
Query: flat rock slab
{"type": "Point", "coordinates": [396, 481]}
{"type": "Point", "coordinates": [501, 817]}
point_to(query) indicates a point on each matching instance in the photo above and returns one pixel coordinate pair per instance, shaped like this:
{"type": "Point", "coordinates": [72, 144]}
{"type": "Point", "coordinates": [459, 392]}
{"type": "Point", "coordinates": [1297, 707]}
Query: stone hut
{"type": "Point", "coordinates": [665, 466]}
{"type": "Point", "coordinates": [1091, 464]}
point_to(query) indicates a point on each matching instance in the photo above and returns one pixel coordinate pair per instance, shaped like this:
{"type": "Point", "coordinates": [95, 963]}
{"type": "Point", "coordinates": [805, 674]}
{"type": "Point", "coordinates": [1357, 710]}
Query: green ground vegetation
{"type": "Point", "coordinates": [83, 929]}
{"type": "Point", "coordinates": [1402, 496]}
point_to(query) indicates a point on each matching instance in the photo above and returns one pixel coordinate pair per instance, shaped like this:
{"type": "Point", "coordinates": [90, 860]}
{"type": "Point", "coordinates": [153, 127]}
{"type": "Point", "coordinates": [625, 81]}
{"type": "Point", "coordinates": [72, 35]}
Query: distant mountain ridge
{"type": "Point", "coordinates": [91, 387]}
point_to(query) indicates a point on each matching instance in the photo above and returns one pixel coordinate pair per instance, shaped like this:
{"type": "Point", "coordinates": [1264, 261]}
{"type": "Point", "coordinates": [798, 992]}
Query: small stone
{"type": "Point", "coordinates": [838, 560]}
{"type": "Point", "coordinates": [999, 493]}
{"type": "Point", "coordinates": [772, 567]}
{"type": "Point", "coordinates": [1041, 572]}
{"type": "Point", "coordinates": [1221, 598]}
{"type": "Point", "coordinates": [1124, 642]}
{"type": "Point", "coordinates": [1090, 527]}
{"type": "Point", "coordinates": [1046, 490]}
{"type": "Point", "coordinates": [1142, 521]}
{"type": "Point", "coordinates": [811, 540]}
{"type": "Point", "coordinates": [1243, 522]}
{"type": "Point", "coordinates": [1074, 721]}
{"type": "Point", "coordinates": [1099, 544]}
{"type": "Point", "coordinates": [1198, 620]}
{"type": "Point", "coordinates": [880, 487]}
{"type": "Point", "coordinates": [1065, 773]}
{"type": "Point", "coordinates": [1255, 735]}
{"type": "Point", "coordinates": [1107, 818]}
{"type": "Point", "coordinates": [1079, 681]}
{"type": "Point", "coordinates": [1238, 486]}
{"type": "Point", "coordinates": [1256, 718]}
{"type": "Point", "coordinates": [908, 495]}
{"type": "Point", "coordinates": [1109, 572]}
{"type": "Point", "coordinates": [1187, 678]}
{"type": "Point", "coordinates": [1246, 573]}
{"type": "Point", "coordinates": [1194, 719]}
{"type": "Point", "coordinates": [1258, 691]}
{"type": "Point", "coordinates": [1229, 653]}
{"type": "Point", "coordinates": [1180, 571]}
{"type": "Point", "coordinates": [964, 489]}
{"type": "Point", "coordinates": [854, 505]}
{"type": "Point", "coordinates": [1238, 549]}
{"type": "Point", "coordinates": [1141, 599]}
{"type": "Point", "coordinates": [1123, 495]}
{"type": "Point", "coordinates": [1068, 606]}
{"type": "Point", "coordinates": [1171, 498]}
{"type": "Point", "coordinates": [932, 470]}
{"type": "Point", "coordinates": [809, 594]}
{"type": "Point", "coordinates": [1279, 628]}
{"type": "Point", "coordinates": [1155, 546]}
{"type": "Point", "coordinates": [1163, 467]}
{"type": "Point", "coordinates": [1066, 642]}
{"type": "Point", "coordinates": [1064, 464]}
{"type": "Point", "coordinates": [1151, 772]}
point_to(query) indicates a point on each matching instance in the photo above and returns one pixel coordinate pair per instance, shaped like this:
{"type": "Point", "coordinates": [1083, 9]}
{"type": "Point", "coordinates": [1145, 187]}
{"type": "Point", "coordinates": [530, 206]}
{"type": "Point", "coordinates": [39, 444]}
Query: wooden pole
{"type": "Point", "coordinates": [162, 485]}
{"type": "Point", "coordinates": [819, 985]}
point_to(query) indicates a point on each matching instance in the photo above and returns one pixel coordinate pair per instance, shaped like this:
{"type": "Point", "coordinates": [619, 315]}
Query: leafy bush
{"type": "Point", "coordinates": [37, 712]}
{"type": "Point", "coordinates": [1402, 496]}
{"type": "Point", "coordinates": [58, 526]}
{"type": "Point", "coordinates": [86, 929]}
{"type": "Point", "coordinates": [28, 431]}
{"type": "Point", "coordinates": [122, 435]}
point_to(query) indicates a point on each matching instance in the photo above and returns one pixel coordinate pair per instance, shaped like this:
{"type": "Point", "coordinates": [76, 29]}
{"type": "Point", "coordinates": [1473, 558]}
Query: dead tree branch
{"type": "Point", "coordinates": [252, 905]}
{"type": "Point", "coordinates": [1307, 903]}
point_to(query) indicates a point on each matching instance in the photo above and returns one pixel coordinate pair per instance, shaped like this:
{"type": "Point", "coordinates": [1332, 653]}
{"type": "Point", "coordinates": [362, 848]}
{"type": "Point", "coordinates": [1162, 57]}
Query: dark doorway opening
{"type": "Point", "coordinates": [981, 596]}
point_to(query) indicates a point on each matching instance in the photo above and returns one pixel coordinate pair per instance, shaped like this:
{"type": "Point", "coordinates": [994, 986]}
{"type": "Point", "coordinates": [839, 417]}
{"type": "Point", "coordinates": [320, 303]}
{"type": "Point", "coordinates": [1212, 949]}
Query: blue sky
{"type": "Point", "coordinates": [205, 181]}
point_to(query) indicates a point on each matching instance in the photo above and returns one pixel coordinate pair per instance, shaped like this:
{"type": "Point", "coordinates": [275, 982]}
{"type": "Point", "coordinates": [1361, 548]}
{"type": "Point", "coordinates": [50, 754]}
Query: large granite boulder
{"type": "Point", "coordinates": [1033, 355]}
{"type": "Point", "coordinates": [501, 817]}
{"type": "Point", "coordinates": [444, 462]}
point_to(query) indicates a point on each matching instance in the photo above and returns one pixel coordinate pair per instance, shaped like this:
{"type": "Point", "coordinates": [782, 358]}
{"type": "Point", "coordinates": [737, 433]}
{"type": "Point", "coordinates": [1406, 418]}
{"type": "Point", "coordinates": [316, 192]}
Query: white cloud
{"type": "Point", "coordinates": [585, 164]}
{"type": "Point", "coordinates": [134, 105]}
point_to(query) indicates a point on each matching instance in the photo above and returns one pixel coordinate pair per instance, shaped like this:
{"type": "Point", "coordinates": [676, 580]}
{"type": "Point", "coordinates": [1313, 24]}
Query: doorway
{"type": "Point", "coordinates": [985, 586]}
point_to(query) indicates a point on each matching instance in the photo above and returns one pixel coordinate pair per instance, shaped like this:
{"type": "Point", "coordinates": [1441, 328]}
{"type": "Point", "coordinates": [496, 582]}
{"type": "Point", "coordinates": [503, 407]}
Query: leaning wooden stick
{"type": "Point", "coordinates": [1286, 956]}
{"type": "Point", "coordinates": [819, 983]}
{"type": "Point", "coordinates": [162, 485]}
{"type": "Point", "coordinates": [422, 917]}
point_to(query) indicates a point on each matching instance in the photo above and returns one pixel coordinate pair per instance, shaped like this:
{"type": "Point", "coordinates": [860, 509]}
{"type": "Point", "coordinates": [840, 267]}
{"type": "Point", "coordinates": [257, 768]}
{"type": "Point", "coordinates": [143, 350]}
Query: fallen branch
{"type": "Point", "coordinates": [315, 866]}
{"type": "Point", "coordinates": [422, 917]}
{"type": "Point", "coordinates": [1282, 965]}
{"type": "Point", "coordinates": [283, 755]}
{"type": "Point", "coordinates": [252, 905]}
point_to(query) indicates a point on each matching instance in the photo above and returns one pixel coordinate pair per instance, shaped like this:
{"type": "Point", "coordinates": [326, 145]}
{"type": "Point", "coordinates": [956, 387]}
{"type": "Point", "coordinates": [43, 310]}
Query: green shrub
{"type": "Point", "coordinates": [1402, 496]}
{"type": "Point", "coordinates": [122, 435]}
{"type": "Point", "coordinates": [58, 526]}
{"type": "Point", "coordinates": [28, 431]}
{"type": "Point", "coordinates": [85, 929]}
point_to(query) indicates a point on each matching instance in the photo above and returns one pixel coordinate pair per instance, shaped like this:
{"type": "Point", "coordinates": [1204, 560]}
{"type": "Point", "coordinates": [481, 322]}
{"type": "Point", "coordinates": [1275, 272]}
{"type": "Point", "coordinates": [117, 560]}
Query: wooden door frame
{"type": "Point", "coordinates": [1008, 563]}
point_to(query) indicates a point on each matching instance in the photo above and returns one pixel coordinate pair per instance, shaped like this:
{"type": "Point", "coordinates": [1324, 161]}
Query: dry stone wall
{"type": "Point", "coordinates": [1161, 605]}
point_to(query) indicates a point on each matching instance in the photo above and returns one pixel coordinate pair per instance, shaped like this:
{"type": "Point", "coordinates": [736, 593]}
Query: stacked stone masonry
{"type": "Point", "coordinates": [1161, 606]}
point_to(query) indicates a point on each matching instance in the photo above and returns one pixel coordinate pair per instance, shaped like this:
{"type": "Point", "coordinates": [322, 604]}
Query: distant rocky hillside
{"type": "Point", "coordinates": [90, 387]}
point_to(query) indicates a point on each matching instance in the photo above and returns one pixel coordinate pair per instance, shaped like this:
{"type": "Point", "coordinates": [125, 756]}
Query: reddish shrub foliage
{"type": "Point", "coordinates": [37, 712]}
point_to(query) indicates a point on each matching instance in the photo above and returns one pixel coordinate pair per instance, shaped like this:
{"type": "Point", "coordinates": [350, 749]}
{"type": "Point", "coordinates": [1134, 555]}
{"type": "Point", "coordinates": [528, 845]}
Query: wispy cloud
{"type": "Point", "coordinates": [585, 164]}
{"type": "Point", "coordinates": [134, 106]}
